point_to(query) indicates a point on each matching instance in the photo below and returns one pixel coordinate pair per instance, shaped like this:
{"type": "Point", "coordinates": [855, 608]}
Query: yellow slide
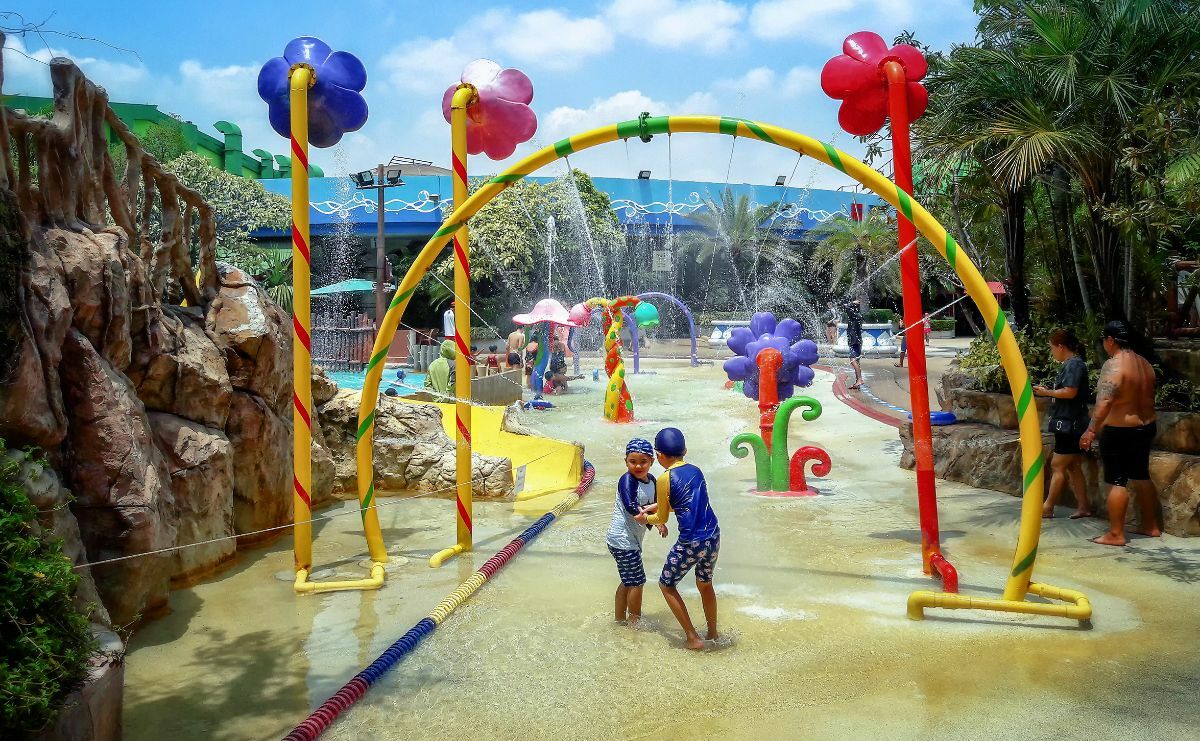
{"type": "Point", "coordinates": [541, 466]}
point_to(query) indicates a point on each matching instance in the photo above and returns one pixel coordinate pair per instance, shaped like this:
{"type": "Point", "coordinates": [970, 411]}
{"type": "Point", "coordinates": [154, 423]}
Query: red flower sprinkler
{"type": "Point", "coordinates": [876, 82]}
{"type": "Point", "coordinates": [771, 361]}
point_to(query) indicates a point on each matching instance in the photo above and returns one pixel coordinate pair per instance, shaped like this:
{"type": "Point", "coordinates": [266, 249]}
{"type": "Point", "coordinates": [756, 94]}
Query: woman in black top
{"type": "Point", "coordinates": [1068, 420]}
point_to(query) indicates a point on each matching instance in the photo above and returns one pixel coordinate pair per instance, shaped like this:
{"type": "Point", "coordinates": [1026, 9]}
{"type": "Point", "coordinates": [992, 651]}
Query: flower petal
{"type": "Point", "coordinates": [918, 100]}
{"type": "Point", "coordinates": [865, 46]}
{"type": "Point", "coordinates": [843, 76]}
{"type": "Point", "coordinates": [480, 73]}
{"type": "Point", "coordinates": [273, 80]}
{"type": "Point", "coordinates": [513, 84]}
{"type": "Point", "coordinates": [913, 60]}
{"type": "Point", "coordinates": [344, 70]}
{"type": "Point", "coordinates": [862, 115]}
{"type": "Point", "coordinates": [308, 49]}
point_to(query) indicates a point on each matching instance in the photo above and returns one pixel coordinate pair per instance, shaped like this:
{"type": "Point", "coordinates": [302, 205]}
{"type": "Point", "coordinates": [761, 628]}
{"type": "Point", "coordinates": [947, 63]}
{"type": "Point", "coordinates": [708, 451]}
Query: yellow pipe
{"type": "Point", "coordinates": [446, 554]}
{"type": "Point", "coordinates": [303, 586]}
{"type": "Point", "coordinates": [1079, 608]}
{"type": "Point", "coordinates": [1013, 364]}
{"type": "Point", "coordinates": [301, 79]}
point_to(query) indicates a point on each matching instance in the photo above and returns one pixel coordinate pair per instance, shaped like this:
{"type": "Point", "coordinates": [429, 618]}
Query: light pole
{"type": "Point", "coordinates": [378, 180]}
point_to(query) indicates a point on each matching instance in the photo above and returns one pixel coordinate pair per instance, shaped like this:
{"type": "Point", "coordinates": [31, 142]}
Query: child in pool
{"type": "Point", "coordinates": [635, 493]}
{"type": "Point", "coordinates": [682, 489]}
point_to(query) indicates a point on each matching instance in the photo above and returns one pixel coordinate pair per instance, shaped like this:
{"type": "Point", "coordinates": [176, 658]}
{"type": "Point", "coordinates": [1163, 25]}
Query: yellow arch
{"type": "Point", "coordinates": [1018, 583]}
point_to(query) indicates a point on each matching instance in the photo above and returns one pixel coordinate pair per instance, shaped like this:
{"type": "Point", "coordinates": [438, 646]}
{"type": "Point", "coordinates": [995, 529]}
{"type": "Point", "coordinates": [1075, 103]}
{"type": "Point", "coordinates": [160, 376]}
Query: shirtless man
{"type": "Point", "coordinates": [1124, 419]}
{"type": "Point", "coordinates": [516, 342]}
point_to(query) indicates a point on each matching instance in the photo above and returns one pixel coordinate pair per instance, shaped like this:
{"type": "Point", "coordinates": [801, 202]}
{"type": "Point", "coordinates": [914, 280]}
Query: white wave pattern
{"type": "Point", "coordinates": [628, 208]}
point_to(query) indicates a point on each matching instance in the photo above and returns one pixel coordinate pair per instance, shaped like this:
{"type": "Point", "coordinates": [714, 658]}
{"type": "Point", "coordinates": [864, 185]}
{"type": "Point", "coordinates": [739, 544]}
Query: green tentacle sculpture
{"type": "Point", "coordinates": [772, 466]}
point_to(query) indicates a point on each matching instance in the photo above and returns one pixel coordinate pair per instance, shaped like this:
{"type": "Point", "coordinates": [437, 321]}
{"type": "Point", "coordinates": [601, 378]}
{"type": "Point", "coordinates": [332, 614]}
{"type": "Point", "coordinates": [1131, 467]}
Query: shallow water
{"type": "Point", "coordinates": [815, 642]}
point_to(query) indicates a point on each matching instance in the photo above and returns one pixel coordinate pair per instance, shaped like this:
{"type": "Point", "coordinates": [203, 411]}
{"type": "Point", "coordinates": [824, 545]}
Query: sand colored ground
{"type": "Point", "coordinates": [812, 595]}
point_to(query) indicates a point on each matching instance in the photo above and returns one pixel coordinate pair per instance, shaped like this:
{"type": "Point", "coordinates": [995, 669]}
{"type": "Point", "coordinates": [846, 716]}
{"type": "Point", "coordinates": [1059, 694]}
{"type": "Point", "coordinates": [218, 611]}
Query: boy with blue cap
{"type": "Point", "coordinates": [682, 489]}
{"type": "Point", "coordinates": [635, 494]}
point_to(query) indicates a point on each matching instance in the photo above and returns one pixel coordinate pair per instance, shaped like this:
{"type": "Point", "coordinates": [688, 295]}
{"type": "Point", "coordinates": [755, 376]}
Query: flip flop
{"type": "Point", "coordinates": [1111, 545]}
{"type": "Point", "coordinates": [1080, 515]}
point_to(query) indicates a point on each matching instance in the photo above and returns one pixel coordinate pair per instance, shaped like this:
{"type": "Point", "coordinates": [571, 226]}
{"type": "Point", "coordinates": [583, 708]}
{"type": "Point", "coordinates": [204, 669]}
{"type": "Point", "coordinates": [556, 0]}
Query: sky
{"type": "Point", "coordinates": [591, 63]}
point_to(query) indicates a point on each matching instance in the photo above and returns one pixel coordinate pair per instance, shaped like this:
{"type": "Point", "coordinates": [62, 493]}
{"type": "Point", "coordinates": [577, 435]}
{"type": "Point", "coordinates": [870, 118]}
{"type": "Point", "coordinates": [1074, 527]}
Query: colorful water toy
{"type": "Point", "coordinates": [354, 690]}
{"type": "Point", "coordinates": [686, 313]}
{"type": "Point", "coordinates": [538, 322]}
{"type": "Point", "coordinates": [618, 404]}
{"type": "Point", "coordinates": [500, 117]}
{"type": "Point", "coordinates": [313, 95]}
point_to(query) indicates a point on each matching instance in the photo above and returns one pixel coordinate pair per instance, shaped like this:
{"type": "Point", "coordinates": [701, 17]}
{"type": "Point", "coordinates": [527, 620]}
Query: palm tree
{"type": "Point", "coordinates": [742, 230]}
{"type": "Point", "coordinates": [854, 251]}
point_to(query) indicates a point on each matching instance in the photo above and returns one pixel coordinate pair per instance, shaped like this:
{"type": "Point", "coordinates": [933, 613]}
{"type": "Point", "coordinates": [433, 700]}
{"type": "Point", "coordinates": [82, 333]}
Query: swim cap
{"type": "Point", "coordinates": [669, 441]}
{"type": "Point", "coordinates": [638, 445]}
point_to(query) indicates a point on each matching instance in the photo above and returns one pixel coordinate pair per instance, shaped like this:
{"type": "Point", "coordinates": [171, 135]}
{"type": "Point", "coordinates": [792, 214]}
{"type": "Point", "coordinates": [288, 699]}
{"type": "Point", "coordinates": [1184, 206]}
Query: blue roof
{"type": "Point", "coordinates": [416, 208]}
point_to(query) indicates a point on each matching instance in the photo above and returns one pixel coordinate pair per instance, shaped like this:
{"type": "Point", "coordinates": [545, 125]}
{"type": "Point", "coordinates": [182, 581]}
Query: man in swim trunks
{"type": "Point", "coordinates": [1124, 419]}
{"type": "Point", "coordinates": [516, 342]}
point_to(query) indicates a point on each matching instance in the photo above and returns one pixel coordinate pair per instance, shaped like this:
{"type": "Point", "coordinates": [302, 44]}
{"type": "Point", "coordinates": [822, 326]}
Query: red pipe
{"type": "Point", "coordinates": [769, 361]}
{"type": "Point", "coordinates": [918, 378]}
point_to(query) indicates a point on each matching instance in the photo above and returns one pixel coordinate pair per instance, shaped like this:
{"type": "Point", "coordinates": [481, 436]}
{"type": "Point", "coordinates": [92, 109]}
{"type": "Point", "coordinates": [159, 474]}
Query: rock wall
{"type": "Point", "coordinates": [169, 425]}
{"type": "Point", "coordinates": [988, 457]}
{"type": "Point", "coordinates": [412, 450]}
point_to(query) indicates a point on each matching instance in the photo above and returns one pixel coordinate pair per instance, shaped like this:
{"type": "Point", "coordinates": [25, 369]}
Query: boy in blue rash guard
{"type": "Point", "coordinates": [682, 489]}
{"type": "Point", "coordinates": [635, 492]}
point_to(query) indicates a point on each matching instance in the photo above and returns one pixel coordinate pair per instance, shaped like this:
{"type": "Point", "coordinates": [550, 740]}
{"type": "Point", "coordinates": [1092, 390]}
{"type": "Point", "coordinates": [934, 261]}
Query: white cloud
{"type": "Point", "coordinates": [27, 72]}
{"type": "Point", "coordinates": [757, 80]}
{"type": "Point", "coordinates": [712, 25]}
{"type": "Point", "coordinates": [553, 40]}
{"type": "Point", "coordinates": [424, 65]}
{"type": "Point", "coordinates": [780, 19]}
{"type": "Point", "coordinates": [801, 81]}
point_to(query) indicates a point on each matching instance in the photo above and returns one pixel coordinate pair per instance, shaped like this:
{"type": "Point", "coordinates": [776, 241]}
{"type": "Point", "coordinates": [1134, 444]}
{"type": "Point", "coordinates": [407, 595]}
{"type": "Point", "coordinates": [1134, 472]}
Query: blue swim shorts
{"type": "Point", "coordinates": [629, 566]}
{"type": "Point", "coordinates": [683, 556]}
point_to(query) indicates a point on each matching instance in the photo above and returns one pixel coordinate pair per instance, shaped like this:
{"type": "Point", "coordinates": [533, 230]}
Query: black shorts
{"type": "Point", "coordinates": [855, 350]}
{"type": "Point", "coordinates": [1067, 443]}
{"type": "Point", "coordinates": [1126, 453]}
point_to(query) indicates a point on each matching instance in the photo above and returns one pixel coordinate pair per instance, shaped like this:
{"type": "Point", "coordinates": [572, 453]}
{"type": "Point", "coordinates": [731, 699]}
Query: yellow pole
{"type": "Point", "coordinates": [301, 78]}
{"type": "Point", "coordinates": [463, 361]}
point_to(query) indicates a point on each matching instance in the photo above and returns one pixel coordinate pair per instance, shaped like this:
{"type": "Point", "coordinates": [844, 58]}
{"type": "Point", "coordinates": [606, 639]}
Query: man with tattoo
{"type": "Point", "coordinates": [1124, 419]}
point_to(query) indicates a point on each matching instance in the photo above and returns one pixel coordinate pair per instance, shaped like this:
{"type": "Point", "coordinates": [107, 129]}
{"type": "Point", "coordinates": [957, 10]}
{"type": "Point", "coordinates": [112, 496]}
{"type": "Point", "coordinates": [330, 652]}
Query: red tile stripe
{"type": "Point", "coordinates": [298, 153]}
{"type": "Point", "coordinates": [301, 492]}
{"type": "Point", "coordinates": [301, 334]}
{"type": "Point", "coordinates": [462, 512]}
{"type": "Point", "coordinates": [460, 169]}
{"type": "Point", "coordinates": [301, 245]}
{"type": "Point", "coordinates": [303, 412]}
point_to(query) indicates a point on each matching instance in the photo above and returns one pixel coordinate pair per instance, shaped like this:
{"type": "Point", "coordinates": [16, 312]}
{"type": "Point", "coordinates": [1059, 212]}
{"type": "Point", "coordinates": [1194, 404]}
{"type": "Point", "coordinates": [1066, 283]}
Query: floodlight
{"type": "Point", "coordinates": [643, 174]}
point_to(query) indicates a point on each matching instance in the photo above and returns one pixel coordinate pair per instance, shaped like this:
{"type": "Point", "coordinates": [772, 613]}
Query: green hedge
{"type": "Point", "coordinates": [46, 642]}
{"type": "Point", "coordinates": [942, 325]}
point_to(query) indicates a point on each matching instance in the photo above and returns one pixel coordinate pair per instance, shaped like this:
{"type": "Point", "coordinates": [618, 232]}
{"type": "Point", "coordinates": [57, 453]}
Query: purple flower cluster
{"type": "Point", "coordinates": [784, 336]}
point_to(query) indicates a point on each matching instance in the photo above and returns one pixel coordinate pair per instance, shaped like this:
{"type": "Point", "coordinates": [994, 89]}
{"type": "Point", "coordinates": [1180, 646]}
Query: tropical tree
{"type": "Point", "coordinates": [854, 251]}
{"type": "Point", "coordinates": [241, 205]}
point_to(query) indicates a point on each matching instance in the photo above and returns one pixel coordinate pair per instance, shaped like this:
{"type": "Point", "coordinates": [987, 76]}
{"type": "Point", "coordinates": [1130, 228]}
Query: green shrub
{"type": "Point", "coordinates": [45, 642]}
{"type": "Point", "coordinates": [981, 362]}
{"type": "Point", "coordinates": [878, 316]}
{"type": "Point", "coordinates": [942, 325]}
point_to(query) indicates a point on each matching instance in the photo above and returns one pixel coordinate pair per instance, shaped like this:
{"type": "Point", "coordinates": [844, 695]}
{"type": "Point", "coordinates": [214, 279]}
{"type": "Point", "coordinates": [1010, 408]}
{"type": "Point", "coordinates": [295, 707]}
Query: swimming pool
{"type": "Point", "coordinates": [412, 383]}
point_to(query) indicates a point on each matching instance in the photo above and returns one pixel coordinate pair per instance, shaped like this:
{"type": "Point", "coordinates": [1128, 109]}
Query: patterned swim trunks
{"type": "Point", "coordinates": [683, 556]}
{"type": "Point", "coordinates": [629, 566]}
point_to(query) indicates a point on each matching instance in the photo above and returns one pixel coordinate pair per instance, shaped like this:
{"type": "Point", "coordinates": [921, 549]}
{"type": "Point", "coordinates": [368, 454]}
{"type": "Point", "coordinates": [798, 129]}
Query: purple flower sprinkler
{"type": "Point", "coordinates": [772, 360]}
{"type": "Point", "coordinates": [501, 118]}
{"type": "Point", "coordinates": [335, 102]}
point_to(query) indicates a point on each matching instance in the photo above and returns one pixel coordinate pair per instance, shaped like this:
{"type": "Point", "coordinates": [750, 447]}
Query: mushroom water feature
{"type": "Point", "coordinates": [772, 360]}
{"type": "Point", "coordinates": [538, 322]}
